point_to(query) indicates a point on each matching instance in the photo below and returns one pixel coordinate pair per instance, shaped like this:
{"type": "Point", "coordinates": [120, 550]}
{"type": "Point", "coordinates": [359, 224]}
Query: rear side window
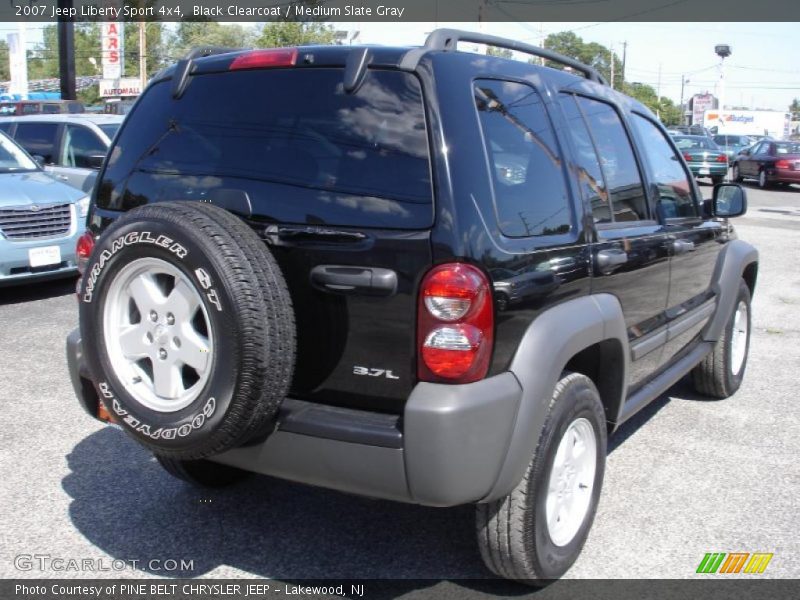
{"type": "Point", "coordinates": [38, 138]}
{"type": "Point", "coordinates": [301, 148]}
{"type": "Point", "coordinates": [626, 199]}
{"type": "Point", "coordinates": [80, 144]}
{"type": "Point", "coordinates": [529, 188]}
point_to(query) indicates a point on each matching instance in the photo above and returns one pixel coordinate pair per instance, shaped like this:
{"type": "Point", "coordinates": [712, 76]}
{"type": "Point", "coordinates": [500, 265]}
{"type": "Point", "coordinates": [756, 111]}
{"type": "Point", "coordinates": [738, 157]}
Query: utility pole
{"type": "Point", "coordinates": [143, 54]}
{"type": "Point", "coordinates": [658, 93]}
{"type": "Point", "coordinates": [624, 55]}
{"type": "Point", "coordinates": [611, 51]}
{"type": "Point", "coordinates": [66, 51]}
{"type": "Point", "coordinates": [683, 111]}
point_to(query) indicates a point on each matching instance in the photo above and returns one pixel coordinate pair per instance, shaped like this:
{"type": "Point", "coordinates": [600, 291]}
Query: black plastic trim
{"type": "Point", "coordinates": [341, 424]}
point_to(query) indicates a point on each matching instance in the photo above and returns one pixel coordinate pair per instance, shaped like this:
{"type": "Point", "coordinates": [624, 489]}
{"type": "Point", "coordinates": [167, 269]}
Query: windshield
{"type": "Point", "coordinates": [110, 129]}
{"type": "Point", "coordinates": [13, 158]}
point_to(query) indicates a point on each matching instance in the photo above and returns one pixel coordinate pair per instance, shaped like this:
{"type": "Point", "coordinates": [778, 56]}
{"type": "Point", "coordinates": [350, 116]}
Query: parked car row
{"type": "Point", "coordinates": [48, 167]}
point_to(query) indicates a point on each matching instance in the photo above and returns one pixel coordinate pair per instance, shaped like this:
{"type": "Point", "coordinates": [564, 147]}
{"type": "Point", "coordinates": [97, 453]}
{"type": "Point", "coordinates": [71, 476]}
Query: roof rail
{"type": "Point", "coordinates": [447, 40]}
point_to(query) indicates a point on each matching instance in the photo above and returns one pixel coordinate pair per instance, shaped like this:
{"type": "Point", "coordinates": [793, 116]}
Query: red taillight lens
{"type": "Point", "coordinates": [83, 250]}
{"type": "Point", "coordinates": [782, 164]}
{"type": "Point", "coordinates": [455, 328]}
{"type": "Point", "coordinates": [261, 59]}
{"type": "Point", "coordinates": [687, 158]}
{"type": "Point", "coordinates": [722, 158]}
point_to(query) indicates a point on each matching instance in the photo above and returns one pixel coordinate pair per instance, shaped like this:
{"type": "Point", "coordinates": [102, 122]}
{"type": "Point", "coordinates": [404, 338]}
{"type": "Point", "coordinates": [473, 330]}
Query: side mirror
{"type": "Point", "coordinates": [730, 200]}
{"type": "Point", "coordinates": [38, 158]}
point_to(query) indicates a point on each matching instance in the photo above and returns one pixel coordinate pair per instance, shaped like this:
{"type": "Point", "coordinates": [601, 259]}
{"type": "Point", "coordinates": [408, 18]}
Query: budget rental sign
{"type": "Point", "coordinates": [112, 39]}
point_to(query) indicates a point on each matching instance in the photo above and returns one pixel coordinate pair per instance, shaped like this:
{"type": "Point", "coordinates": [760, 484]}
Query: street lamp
{"type": "Point", "coordinates": [723, 51]}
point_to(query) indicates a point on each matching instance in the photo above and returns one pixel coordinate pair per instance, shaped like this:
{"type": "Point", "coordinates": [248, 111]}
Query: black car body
{"type": "Point", "coordinates": [406, 165]}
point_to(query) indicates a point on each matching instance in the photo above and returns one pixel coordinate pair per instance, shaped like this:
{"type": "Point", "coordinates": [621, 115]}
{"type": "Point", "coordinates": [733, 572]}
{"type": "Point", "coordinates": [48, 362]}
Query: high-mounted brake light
{"type": "Point", "coordinates": [261, 59]}
{"type": "Point", "coordinates": [455, 324]}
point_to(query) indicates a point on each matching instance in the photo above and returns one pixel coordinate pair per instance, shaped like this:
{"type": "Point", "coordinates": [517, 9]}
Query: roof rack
{"type": "Point", "coordinates": [447, 40]}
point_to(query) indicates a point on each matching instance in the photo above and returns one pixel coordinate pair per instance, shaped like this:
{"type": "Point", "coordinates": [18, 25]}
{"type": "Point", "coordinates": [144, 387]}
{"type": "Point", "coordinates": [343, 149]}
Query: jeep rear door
{"type": "Point", "coordinates": [338, 185]}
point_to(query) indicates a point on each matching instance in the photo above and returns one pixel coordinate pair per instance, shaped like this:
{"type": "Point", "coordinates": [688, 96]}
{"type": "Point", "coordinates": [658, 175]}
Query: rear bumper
{"type": "Point", "coordinates": [448, 448]}
{"type": "Point", "coordinates": [708, 169]}
{"type": "Point", "coordinates": [783, 176]}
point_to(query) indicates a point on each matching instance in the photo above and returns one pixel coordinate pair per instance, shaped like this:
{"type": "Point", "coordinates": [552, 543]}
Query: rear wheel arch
{"type": "Point", "coordinates": [585, 328]}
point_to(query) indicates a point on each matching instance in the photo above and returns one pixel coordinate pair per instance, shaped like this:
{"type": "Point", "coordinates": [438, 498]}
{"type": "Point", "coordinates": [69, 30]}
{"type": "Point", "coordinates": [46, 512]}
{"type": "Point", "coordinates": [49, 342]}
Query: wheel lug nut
{"type": "Point", "coordinates": [170, 319]}
{"type": "Point", "coordinates": [177, 342]}
{"type": "Point", "coordinates": [153, 316]}
{"type": "Point", "coordinates": [162, 354]}
{"type": "Point", "coordinates": [149, 337]}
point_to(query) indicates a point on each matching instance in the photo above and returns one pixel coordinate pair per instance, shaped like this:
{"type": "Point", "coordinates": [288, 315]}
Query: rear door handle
{"type": "Point", "coordinates": [62, 177]}
{"type": "Point", "coordinates": [342, 279]}
{"type": "Point", "coordinates": [682, 246]}
{"type": "Point", "coordinates": [608, 260]}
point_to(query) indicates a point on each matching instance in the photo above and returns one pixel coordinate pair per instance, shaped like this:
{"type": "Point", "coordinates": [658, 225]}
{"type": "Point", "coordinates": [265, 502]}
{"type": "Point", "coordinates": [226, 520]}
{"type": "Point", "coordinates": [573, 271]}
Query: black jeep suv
{"type": "Point", "coordinates": [418, 274]}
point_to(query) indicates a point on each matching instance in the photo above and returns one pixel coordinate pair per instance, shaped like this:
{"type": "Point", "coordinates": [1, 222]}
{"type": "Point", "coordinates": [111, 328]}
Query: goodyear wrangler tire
{"type": "Point", "coordinates": [188, 329]}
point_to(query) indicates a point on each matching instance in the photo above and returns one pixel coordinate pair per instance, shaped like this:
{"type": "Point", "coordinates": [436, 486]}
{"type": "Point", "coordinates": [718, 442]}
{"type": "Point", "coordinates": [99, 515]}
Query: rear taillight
{"type": "Point", "coordinates": [783, 164]}
{"type": "Point", "coordinates": [687, 158]}
{"type": "Point", "coordinates": [262, 59]}
{"type": "Point", "coordinates": [721, 158]}
{"type": "Point", "coordinates": [83, 250]}
{"type": "Point", "coordinates": [455, 326]}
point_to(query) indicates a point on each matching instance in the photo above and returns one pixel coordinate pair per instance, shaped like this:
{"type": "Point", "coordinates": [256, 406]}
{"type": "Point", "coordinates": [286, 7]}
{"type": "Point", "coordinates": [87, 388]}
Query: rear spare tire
{"type": "Point", "coordinates": [187, 328]}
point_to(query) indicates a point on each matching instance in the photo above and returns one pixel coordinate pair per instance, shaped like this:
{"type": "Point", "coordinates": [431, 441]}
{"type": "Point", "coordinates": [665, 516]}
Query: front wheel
{"type": "Point", "coordinates": [736, 175]}
{"type": "Point", "coordinates": [720, 374]}
{"type": "Point", "coordinates": [536, 532]}
{"type": "Point", "coordinates": [202, 473]}
{"type": "Point", "coordinates": [762, 179]}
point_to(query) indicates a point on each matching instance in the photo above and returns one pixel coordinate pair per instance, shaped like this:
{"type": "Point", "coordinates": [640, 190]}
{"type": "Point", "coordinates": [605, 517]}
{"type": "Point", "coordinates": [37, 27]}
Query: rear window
{"type": "Point", "coordinates": [301, 148]}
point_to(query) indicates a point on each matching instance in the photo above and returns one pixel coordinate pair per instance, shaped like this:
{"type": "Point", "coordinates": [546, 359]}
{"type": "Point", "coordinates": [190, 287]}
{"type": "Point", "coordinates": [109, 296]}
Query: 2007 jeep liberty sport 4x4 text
{"type": "Point", "coordinates": [418, 274]}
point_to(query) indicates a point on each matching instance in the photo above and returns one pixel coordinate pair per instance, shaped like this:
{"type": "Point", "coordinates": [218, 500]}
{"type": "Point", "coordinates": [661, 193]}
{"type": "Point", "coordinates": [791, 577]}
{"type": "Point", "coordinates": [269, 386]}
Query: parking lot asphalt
{"type": "Point", "coordinates": [685, 477]}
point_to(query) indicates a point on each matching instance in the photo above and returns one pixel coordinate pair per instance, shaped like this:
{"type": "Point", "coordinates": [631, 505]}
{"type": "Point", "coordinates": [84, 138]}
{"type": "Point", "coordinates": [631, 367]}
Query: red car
{"type": "Point", "coordinates": [769, 162]}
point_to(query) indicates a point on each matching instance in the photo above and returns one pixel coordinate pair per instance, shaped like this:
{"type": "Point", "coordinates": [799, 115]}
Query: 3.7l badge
{"type": "Point", "coordinates": [374, 372]}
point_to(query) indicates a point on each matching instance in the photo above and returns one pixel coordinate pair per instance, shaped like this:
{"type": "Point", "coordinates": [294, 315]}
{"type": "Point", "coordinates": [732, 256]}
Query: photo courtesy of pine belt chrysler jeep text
{"type": "Point", "coordinates": [442, 278]}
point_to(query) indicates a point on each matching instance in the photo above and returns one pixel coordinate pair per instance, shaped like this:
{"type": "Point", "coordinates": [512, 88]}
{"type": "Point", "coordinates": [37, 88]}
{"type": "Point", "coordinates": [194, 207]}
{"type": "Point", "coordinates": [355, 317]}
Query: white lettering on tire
{"type": "Point", "coordinates": [204, 279]}
{"type": "Point", "coordinates": [160, 433]}
{"type": "Point", "coordinates": [129, 239]}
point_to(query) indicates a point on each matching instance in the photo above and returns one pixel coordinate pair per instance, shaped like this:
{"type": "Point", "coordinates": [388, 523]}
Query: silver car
{"type": "Point", "coordinates": [40, 219]}
{"type": "Point", "coordinates": [70, 147]}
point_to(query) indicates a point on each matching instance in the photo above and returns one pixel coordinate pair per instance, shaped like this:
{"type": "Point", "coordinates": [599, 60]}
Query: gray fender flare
{"type": "Point", "coordinates": [731, 264]}
{"type": "Point", "coordinates": [551, 340]}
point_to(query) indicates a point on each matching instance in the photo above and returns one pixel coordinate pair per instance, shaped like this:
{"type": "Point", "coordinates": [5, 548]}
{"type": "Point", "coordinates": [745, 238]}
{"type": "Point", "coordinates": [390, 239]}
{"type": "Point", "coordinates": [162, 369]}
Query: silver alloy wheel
{"type": "Point", "coordinates": [739, 338]}
{"type": "Point", "coordinates": [569, 491]}
{"type": "Point", "coordinates": [158, 335]}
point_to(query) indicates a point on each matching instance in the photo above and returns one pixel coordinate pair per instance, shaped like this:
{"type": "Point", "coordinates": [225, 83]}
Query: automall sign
{"type": "Point", "coordinates": [119, 88]}
{"type": "Point", "coordinates": [112, 38]}
{"type": "Point", "coordinates": [700, 104]}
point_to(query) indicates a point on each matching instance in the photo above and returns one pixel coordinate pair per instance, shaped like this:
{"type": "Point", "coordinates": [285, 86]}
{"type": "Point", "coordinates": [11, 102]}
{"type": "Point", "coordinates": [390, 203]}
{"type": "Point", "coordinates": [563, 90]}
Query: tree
{"type": "Point", "coordinates": [500, 52]}
{"type": "Point", "coordinates": [5, 67]}
{"type": "Point", "coordinates": [294, 33]}
{"type": "Point", "coordinates": [794, 108]}
{"type": "Point", "coordinates": [208, 33]}
{"type": "Point", "coordinates": [669, 113]}
{"type": "Point", "coordinates": [592, 54]}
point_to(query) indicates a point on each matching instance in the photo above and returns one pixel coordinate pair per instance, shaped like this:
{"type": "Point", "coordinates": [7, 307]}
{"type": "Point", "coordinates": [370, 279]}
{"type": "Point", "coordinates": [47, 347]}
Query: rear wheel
{"type": "Point", "coordinates": [735, 175]}
{"type": "Point", "coordinates": [538, 530]}
{"type": "Point", "coordinates": [720, 374]}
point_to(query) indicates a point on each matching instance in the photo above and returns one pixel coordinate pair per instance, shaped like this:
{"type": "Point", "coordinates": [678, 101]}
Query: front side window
{"type": "Point", "coordinates": [527, 172]}
{"type": "Point", "coordinates": [618, 163]}
{"type": "Point", "coordinates": [675, 195]}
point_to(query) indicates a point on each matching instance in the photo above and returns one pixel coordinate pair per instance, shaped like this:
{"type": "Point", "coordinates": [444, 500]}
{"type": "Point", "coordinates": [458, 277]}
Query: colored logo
{"type": "Point", "coordinates": [734, 562]}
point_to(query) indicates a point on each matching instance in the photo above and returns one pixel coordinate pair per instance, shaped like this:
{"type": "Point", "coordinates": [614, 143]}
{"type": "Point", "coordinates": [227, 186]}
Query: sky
{"type": "Point", "coordinates": [763, 70]}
